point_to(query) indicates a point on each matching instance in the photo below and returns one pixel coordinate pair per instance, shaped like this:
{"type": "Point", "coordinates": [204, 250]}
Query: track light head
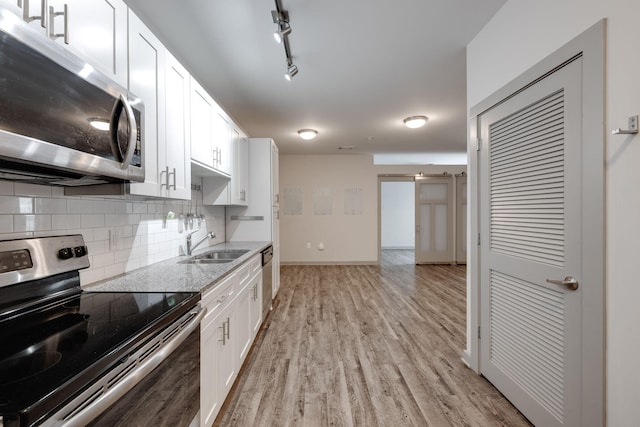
{"type": "Point", "coordinates": [281, 32]}
{"type": "Point", "coordinates": [292, 70]}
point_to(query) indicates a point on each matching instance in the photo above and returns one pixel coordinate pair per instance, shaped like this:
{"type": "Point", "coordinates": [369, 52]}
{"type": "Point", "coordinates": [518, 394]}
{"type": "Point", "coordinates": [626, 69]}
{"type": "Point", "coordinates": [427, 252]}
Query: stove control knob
{"type": "Point", "coordinates": [65, 253]}
{"type": "Point", "coordinates": [80, 251]}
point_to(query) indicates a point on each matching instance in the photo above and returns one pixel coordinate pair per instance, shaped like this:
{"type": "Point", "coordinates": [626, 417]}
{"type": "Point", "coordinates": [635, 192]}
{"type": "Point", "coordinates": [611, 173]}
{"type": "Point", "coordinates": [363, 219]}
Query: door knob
{"type": "Point", "coordinates": [570, 282]}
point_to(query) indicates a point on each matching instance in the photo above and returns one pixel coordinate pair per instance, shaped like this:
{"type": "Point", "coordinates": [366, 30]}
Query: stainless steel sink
{"type": "Point", "coordinates": [216, 256]}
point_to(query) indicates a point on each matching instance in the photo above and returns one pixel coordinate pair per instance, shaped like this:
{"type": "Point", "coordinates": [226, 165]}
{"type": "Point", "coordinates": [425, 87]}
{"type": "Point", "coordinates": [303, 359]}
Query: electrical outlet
{"type": "Point", "coordinates": [321, 246]}
{"type": "Point", "coordinates": [114, 239]}
{"type": "Point", "coordinates": [633, 123]}
{"type": "Point", "coordinates": [308, 245]}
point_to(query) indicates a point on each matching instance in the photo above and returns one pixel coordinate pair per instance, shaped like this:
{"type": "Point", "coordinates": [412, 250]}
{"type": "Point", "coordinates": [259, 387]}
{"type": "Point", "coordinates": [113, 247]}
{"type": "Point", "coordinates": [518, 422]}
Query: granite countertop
{"type": "Point", "coordinates": [172, 276]}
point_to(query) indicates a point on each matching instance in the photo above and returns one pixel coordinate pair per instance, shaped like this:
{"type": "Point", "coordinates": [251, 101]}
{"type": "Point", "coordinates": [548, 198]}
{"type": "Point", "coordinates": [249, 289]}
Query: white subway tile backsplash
{"type": "Point", "coordinates": [91, 221]}
{"type": "Point", "coordinates": [6, 188]}
{"type": "Point", "coordinates": [64, 222]}
{"type": "Point", "coordinates": [93, 274]}
{"type": "Point", "coordinates": [97, 247]}
{"type": "Point", "coordinates": [102, 260]}
{"type": "Point", "coordinates": [140, 208]}
{"type": "Point", "coordinates": [116, 220]}
{"type": "Point", "coordinates": [6, 223]}
{"type": "Point", "coordinates": [79, 206]}
{"type": "Point", "coordinates": [101, 234]}
{"type": "Point", "coordinates": [16, 205]}
{"type": "Point", "coordinates": [144, 235]}
{"type": "Point", "coordinates": [25, 189]}
{"type": "Point", "coordinates": [31, 222]}
{"type": "Point", "coordinates": [50, 206]}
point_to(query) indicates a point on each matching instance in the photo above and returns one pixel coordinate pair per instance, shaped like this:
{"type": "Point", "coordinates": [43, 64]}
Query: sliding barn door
{"type": "Point", "coordinates": [531, 244]}
{"type": "Point", "coordinates": [434, 220]}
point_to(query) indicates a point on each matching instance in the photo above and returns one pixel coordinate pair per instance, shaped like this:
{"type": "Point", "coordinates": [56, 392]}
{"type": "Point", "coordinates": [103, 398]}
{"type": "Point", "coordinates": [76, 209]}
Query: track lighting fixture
{"type": "Point", "coordinates": [283, 30]}
{"type": "Point", "coordinates": [281, 19]}
{"type": "Point", "coordinates": [292, 70]}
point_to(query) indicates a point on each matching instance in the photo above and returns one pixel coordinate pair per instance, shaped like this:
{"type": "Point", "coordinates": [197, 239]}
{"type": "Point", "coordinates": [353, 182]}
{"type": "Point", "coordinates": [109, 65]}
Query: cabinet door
{"type": "Point", "coordinates": [178, 152]}
{"type": "Point", "coordinates": [222, 144]}
{"type": "Point", "coordinates": [202, 111]}
{"type": "Point", "coordinates": [239, 169]}
{"type": "Point", "coordinates": [209, 398]}
{"type": "Point", "coordinates": [243, 325]}
{"type": "Point", "coordinates": [34, 12]}
{"type": "Point", "coordinates": [97, 32]}
{"type": "Point", "coordinates": [256, 304]}
{"type": "Point", "coordinates": [225, 351]}
{"type": "Point", "coordinates": [146, 80]}
{"type": "Point", "coordinates": [15, 6]}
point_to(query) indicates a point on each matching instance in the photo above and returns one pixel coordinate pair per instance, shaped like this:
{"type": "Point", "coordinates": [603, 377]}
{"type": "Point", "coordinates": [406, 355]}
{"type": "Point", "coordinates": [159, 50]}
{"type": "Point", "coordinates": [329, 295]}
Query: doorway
{"type": "Point", "coordinates": [397, 220]}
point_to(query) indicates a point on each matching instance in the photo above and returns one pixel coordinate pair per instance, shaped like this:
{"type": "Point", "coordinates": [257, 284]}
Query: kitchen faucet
{"type": "Point", "coordinates": [190, 248]}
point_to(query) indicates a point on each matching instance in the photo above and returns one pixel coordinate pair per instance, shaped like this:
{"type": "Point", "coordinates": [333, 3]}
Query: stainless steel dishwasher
{"type": "Point", "coordinates": [267, 281]}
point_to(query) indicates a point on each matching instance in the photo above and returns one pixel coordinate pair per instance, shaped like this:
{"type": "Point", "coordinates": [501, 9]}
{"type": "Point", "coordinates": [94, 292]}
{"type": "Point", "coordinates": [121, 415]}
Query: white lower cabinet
{"type": "Point", "coordinates": [226, 334]}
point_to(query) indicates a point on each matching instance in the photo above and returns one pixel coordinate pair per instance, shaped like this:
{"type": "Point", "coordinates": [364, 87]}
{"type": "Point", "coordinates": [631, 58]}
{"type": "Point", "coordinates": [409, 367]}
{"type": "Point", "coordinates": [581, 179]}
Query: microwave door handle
{"type": "Point", "coordinates": [123, 104]}
{"type": "Point", "coordinates": [133, 132]}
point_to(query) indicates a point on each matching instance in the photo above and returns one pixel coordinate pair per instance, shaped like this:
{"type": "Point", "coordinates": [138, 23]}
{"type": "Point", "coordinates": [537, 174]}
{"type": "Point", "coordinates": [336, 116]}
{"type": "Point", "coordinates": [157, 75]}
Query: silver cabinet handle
{"type": "Point", "coordinates": [165, 172]}
{"type": "Point", "coordinates": [52, 21]}
{"type": "Point", "coordinates": [29, 18]}
{"type": "Point", "coordinates": [174, 178]}
{"type": "Point", "coordinates": [569, 282]}
{"type": "Point", "coordinates": [228, 327]}
{"type": "Point", "coordinates": [224, 342]}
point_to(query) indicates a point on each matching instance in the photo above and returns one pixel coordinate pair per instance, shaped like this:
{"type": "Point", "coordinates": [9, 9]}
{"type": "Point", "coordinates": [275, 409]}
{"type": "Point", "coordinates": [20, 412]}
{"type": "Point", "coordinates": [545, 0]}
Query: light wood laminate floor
{"type": "Point", "coordinates": [366, 346]}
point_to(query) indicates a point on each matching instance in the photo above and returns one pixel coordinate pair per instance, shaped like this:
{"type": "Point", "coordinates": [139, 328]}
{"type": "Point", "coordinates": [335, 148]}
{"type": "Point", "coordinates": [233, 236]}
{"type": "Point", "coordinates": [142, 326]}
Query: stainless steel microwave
{"type": "Point", "coordinates": [61, 121]}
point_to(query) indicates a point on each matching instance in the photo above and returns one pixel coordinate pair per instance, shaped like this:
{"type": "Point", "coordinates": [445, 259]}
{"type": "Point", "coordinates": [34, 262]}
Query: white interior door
{"type": "Point", "coordinates": [531, 225]}
{"type": "Point", "coordinates": [434, 220]}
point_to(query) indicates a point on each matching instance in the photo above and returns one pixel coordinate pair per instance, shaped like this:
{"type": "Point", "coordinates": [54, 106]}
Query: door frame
{"type": "Point", "coordinates": [381, 179]}
{"type": "Point", "coordinates": [591, 46]}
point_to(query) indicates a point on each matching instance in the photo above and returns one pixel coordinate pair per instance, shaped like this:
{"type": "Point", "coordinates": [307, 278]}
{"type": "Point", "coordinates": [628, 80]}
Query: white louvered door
{"type": "Point", "coordinates": [530, 208]}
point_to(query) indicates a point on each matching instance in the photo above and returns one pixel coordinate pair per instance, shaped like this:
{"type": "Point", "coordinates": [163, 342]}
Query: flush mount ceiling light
{"type": "Point", "coordinates": [307, 133]}
{"type": "Point", "coordinates": [414, 122]}
{"type": "Point", "coordinates": [292, 70]}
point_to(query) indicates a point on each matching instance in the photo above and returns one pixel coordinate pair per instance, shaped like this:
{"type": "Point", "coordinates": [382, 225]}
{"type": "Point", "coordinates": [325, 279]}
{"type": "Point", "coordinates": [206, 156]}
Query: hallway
{"type": "Point", "coordinates": [366, 346]}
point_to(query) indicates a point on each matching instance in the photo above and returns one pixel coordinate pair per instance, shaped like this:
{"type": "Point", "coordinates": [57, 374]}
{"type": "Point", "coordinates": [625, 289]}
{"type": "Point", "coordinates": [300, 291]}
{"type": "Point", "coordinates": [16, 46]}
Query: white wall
{"type": "Point", "coordinates": [144, 235]}
{"type": "Point", "coordinates": [520, 35]}
{"type": "Point", "coordinates": [397, 215]}
{"type": "Point", "coordinates": [346, 238]}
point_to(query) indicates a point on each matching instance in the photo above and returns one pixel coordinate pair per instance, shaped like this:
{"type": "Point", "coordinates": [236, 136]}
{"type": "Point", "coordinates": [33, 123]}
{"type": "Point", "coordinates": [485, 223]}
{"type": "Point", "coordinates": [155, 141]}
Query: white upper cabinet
{"type": "Point", "coordinates": [222, 143]}
{"type": "Point", "coordinates": [163, 85]}
{"type": "Point", "coordinates": [34, 12]}
{"type": "Point", "coordinates": [178, 129]}
{"type": "Point", "coordinates": [94, 30]}
{"type": "Point", "coordinates": [146, 80]}
{"type": "Point", "coordinates": [202, 110]}
{"type": "Point", "coordinates": [239, 169]}
{"type": "Point", "coordinates": [210, 134]}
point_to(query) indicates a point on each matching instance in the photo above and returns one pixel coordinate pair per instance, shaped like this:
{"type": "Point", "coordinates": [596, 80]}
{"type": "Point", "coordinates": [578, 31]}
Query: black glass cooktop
{"type": "Point", "coordinates": [52, 352]}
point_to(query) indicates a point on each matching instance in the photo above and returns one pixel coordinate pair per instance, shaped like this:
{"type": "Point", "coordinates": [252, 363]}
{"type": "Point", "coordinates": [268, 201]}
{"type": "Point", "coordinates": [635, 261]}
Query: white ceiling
{"type": "Point", "coordinates": [364, 66]}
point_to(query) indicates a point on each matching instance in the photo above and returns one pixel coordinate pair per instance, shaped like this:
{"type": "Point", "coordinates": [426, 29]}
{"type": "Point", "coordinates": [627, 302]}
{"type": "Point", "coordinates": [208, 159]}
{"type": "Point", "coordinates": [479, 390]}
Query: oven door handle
{"type": "Point", "coordinates": [125, 384]}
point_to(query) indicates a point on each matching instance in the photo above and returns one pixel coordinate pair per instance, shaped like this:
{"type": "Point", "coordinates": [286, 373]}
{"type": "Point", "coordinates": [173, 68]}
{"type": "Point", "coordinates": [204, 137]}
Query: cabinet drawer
{"type": "Point", "coordinates": [218, 298]}
{"type": "Point", "coordinates": [245, 272]}
{"type": "Point", "coordinates": [255, 264]}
